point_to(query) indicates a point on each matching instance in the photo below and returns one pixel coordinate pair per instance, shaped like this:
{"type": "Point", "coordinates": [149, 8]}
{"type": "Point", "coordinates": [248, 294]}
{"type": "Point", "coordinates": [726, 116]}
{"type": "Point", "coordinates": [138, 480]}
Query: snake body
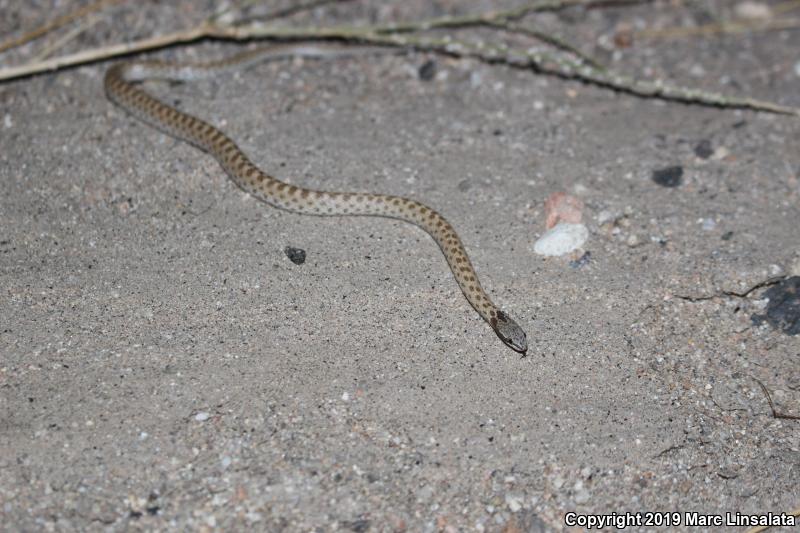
{"type": "Point", "coordinates": [122, 89]}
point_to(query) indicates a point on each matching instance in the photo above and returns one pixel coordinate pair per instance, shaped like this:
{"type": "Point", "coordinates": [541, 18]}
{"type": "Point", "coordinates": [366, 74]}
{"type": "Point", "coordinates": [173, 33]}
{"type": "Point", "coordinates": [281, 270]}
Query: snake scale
{"type": "Point", "coordinates": [122, 89]}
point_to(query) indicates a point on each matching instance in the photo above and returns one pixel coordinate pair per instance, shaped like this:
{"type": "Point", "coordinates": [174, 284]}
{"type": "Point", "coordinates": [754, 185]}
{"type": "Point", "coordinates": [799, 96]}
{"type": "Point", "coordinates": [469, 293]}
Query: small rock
{"type": "Point", "coordinates": [794, 270]}
{"type": "Point", "coordinates": [513, 502]}
{"type": "Point", "coordinates": [783, 309]}
{"type": "Point", "coordinates": [201, 416]}
{"type": "Point", "coordinates": [797, 69]}
{"type": "Point", "coordinates": [475, 79]}
{"type": "Point", "coordinates": [427, 71]}
{"type": "Point", "coordinates": [582, 496]}
{"type": "Point", "coordinates": [561, 207]}
{"type": "Point", "coordinates": [607, 216]}
{"type": "Point", "coordinates": [623, 36]}
{"type": "Point", "coordinates": [668, 177]}
{"type": "Point", "coordinates": [561, 239]}
{"type": "Point", "coordinates": [703, 149]}
{"type": "Point", "coordinates": [582, 260]}
{"type": "Point", "coordinates": [425, 494]}
{"type": "Point", "coordinates": [697, 70]}
{"type": "Point", "coordinates": [358, 526]}
{"type": "Point", "coordinates": [708, 224]}
{"type": "Point", "coordinates": [295, 255]}
{"type": "Point", "coordinates": [752, 11]}
{"type": "Point", "coordinates": [720, 153]}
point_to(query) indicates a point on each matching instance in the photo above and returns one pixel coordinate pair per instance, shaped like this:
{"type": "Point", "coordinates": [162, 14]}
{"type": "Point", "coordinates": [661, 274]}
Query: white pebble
{"type": "Point", "coordinates": [345, 396]}
{"type": "Point", "coordinates": [561, 239]}
{"type": "Point", "coordinates": [513, 503]}
{"type": "Point", "coordinates": [752, 11]}
{"type": "Point", "coordinates": [697, 70]}
{"type": "Point", "coordinates": [582, 496]}
{"type": "Point", "coordinates": [201, 416]}
{"type": "Point", "coordinates": [475, 79]}
{"type": "Point", "coordinates": [794, 270]}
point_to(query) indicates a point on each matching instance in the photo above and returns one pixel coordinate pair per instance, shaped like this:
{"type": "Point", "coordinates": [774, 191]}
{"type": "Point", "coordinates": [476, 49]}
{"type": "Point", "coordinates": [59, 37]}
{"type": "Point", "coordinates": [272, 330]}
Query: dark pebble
{"type": "Point", "coordinates": [783, 309]}
{"type": "Point", "coordinates": [703, 149]}
{"type": "Point", "coordinates": [668, 177]}
{"type": "Point", "coordinates": [295, 255]}
{"type": "Point", "coordinates": [427, 71]}
{"type": "Point", "coordinates": [359, 526]}
{"type": "Point", "coordinates": [727, 236]}
{"type": "Point", "coordinates": [581, 261]}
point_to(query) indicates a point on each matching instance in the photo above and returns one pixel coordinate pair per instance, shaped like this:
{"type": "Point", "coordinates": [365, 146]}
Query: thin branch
{"type": "Point", "coordinates": [546, 38]}
{"type": "Point", "coordinates": [555, 65]}
{"type": "Point", "coordinates": [719, 28]}
{"type": "Point", "coordinates": [55, 24]}
{"type": "Point", "coordinates": [105, 52]}
{"type": "Point", "coordinates": [511, 15]}
{"type": "Point", "coordinates": [72, 34]}
{"type": "Point", "coordinates": [295, 9]}
{"type": "Point", "coordinates": [775, 414]}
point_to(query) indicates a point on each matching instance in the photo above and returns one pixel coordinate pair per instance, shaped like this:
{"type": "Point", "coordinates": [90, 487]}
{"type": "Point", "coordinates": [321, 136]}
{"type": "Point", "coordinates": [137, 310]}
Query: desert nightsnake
{"type": "Point", "coordinates": [121, 88]}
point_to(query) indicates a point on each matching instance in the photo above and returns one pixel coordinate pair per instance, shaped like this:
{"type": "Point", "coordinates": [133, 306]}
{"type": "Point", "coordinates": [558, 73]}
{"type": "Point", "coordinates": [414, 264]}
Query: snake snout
{"type": "Point", "coordinates": [510, 333]}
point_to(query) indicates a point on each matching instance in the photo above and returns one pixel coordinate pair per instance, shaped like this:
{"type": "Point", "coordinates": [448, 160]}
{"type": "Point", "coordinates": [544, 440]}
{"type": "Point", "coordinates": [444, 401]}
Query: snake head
{"type": "Point", "coordinates": [510, 332]}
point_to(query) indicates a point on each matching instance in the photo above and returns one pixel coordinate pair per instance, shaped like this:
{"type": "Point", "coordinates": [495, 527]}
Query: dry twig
{"type": "Point", "coordinates": [405, 35]}
{"type": "Point", "coordinates": [55, 24]}
{"type": "Point", "coordinates": [775, 414]}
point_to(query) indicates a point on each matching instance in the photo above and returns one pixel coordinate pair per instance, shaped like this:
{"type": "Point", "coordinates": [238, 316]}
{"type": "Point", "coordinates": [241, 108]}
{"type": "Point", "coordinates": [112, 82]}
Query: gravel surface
{"type": "Point", "coordinates": [165, 365]}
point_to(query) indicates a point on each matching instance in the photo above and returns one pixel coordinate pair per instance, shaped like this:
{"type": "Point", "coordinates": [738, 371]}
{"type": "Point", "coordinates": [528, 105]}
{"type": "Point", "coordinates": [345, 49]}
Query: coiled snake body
{"type": "Point", "coordinates": [121, 89]}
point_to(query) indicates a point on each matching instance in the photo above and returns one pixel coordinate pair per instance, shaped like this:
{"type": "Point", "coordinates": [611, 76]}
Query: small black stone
{"type": "Point", "coordinates": [295, 255]}
{"type": "Point", "coordinates": [581, 261]}
{"type": "Point", "coordinates": [703, 149]}
{"type": "Point", "coordinates": [783, 309]}
{"type": "Point", "coordinates": [668, 177]}
{"type": "Point", "coordinates": [359, 526]}
{"type": "Point", "coordinates": [427, 71]}
{"type": "Point", "coordinates": [727, 236]}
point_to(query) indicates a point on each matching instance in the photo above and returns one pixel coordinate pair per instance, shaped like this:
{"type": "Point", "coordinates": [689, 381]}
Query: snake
{"type": "Point", "coordinates": [123, 87]}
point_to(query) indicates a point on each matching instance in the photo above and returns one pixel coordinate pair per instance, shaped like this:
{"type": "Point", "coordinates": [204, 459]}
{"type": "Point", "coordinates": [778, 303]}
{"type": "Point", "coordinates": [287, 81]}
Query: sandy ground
{"type": "Point", "coordinates": [165, 366]}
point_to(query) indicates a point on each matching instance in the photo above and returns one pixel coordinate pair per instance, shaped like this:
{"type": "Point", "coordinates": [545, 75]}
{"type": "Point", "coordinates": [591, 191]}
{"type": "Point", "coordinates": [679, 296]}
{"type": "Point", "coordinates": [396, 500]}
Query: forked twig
{"type": "Point", "coordinates": [404, 35]}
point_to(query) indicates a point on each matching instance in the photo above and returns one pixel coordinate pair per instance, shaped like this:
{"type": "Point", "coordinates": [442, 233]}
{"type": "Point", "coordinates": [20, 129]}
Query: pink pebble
{"type": "Point", "coordinates": [561, 207]}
